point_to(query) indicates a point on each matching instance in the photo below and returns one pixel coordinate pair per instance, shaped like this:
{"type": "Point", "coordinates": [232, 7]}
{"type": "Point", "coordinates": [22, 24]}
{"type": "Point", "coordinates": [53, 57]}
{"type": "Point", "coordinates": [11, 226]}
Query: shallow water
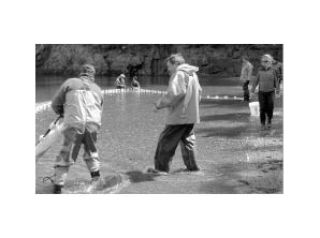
{"type": "Point", "coordinates": [46, 86]}
{"type": "Point", "coordinates": [129, 134]}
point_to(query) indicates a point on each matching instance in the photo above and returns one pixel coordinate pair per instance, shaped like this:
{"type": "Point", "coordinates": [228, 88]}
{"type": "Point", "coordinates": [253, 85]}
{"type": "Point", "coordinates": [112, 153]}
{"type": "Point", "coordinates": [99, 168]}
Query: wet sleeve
{"type": "Point", "coordinates": [176, 91]}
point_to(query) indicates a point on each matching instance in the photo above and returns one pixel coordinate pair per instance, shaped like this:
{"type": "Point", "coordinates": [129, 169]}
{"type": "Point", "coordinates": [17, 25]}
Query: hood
{"type": "Point", "coordinates": [87, 76]}
{"type": "Point", "coordinates": [188, 68]}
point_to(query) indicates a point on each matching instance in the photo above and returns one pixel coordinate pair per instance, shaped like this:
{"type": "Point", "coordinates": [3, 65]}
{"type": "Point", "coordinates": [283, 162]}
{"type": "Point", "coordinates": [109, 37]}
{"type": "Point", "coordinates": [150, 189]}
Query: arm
{"type": "Point", "coordinates": [250, 69]}
{"type": "Point", "coordinates": [276, 81]}
{"type": "Point", "coordinates": [59, 100]}
{"type": "Point", "coordinates": [255, 83]}
{"type": "Point", "coordinates": [175, 92]}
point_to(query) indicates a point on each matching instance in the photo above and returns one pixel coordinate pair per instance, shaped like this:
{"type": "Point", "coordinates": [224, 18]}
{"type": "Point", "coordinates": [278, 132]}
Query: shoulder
{"type": "Point", "coordinates": [96, 88]}
{"type": "Point", "coordinates": [71, 81]}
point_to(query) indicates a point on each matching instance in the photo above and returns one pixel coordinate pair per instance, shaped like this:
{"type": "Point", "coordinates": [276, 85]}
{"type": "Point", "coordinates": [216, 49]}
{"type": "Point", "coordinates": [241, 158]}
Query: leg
{"type": "Point", "coordinates": [167, 144]}
{"type": "Point", "coordinates": [246, 96]}
{"type": "Point", "coordinates": [90, 154]}
{"type": "Point", "coordinates": [262, 102]}
{"type": "Point", "coordinates": [188, 149]}
{"type": "Point", "coordinates": [63, 160]}
{"type": "Point", "coordinates": [270, 103]}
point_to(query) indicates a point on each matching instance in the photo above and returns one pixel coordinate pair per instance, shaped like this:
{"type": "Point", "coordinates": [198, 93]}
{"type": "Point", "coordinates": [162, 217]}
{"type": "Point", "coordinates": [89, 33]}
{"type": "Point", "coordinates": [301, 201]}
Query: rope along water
{"type": "Point", "coordinates": [40, 107]}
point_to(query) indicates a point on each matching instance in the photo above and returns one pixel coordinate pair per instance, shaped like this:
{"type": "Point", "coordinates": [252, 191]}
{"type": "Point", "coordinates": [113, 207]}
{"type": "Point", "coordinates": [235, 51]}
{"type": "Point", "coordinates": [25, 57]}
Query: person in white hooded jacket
{"type": "Point", "coordinates": [182, 101]}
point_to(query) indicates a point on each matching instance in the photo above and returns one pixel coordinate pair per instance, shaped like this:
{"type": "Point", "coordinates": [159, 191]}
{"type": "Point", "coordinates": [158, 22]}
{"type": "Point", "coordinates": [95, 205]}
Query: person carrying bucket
{"type": "Point", "coordinates": [80, 102]}
{"type": "Point", "coordinates": [268, 86]}
{"type": "Point", "coordinates": [182, 101]}
{"type": "Point", "coordinates": [245, 77]}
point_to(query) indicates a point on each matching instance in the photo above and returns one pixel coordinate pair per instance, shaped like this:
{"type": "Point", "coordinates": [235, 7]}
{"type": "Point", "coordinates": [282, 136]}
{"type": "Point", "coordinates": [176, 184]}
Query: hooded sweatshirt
{"type": "Point", "coordinates": [183, 96]}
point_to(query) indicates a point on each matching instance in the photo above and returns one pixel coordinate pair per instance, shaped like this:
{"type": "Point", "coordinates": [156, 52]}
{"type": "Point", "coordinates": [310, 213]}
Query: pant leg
{"type": "Point", "coordinates": [263, 107]}
{"type": "Point", "coordinates": [90, 155]}
{"type": "Point", "coordinates": [245, 88]}
{"type": "Point", "coordinates": [270, 106]}
{"type": "Point", "coordinates": [63, 160]}
{"type": "Point", "coordinates": [167, 144]}
{"type": "Point", "coordinates": [188, 148]}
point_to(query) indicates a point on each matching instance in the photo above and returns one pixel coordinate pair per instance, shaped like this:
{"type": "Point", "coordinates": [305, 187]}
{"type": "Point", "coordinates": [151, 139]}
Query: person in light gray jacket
{"type": "Point", "coordinates": [79, 101]}
{"type": "Point", "coordinates": [182, 101]}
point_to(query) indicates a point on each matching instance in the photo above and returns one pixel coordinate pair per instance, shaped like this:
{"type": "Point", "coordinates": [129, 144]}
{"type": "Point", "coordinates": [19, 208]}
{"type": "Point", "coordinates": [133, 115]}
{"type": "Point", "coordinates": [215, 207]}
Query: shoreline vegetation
{"type": "Point", "coordinates": [148, 60]}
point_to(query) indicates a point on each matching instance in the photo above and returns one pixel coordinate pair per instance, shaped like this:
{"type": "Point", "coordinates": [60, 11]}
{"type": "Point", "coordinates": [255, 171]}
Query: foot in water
{"type": "Point", "coordinates": [192, 171]}
{"type": "Point", "coordinates": [155, 171]}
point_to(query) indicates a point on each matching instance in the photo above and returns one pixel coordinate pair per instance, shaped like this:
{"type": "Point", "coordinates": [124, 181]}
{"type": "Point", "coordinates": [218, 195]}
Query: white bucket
{"type": "Point", "coordinates": [254, 109]}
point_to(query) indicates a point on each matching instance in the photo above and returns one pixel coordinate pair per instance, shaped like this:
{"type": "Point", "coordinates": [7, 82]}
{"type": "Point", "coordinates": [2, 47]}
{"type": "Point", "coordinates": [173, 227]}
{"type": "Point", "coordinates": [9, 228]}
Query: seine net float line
{"type": "Point", "coordinates": [46, 105]}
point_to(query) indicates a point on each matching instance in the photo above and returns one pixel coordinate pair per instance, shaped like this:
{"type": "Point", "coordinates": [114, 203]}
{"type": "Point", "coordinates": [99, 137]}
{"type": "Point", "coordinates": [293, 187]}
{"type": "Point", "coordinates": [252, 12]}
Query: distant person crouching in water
{"type": "Point", "coordinates": [268, 83]}
{"type": "Point", "coordinates": [120, 82]}
{"type": "Point", "coordinates": [182, 100]}
{"type": "Point", "coordinates": [245, 77]}
{"type": "Point", "coordinates": [80, 102]}
{"type": "Point", "coordinates": [134, 83]}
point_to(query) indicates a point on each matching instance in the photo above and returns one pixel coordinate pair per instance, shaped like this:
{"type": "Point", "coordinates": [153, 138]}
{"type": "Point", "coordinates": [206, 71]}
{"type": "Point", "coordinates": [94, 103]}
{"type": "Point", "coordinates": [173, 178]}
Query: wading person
{"type": "Point", "coordinates": [268, 85]}
{"type": "Point", "coordinates": [79, 101]}
{"type": "Point", "coordinates": [135, 83]}
{"type": "Point", "coordinates": [278, 68]}
{"type": "Point", "coordinates": [245, 77]}
{"type": "Point", "coordinates": [182, 101]}
{"type": "Point", "coordinates": [120, 81]}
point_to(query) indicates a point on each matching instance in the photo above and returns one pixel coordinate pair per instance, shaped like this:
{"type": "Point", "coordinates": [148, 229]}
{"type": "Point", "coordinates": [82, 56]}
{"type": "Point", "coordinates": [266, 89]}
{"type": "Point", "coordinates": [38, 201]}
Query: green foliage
{"type": "Point", "coordinates": [114, 59]}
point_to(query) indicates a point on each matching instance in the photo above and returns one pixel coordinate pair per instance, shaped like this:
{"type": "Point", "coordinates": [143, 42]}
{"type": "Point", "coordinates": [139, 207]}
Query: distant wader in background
{"type": "Point", "coordinates": [182, 101]}
{"type": "Point", "coordinates": [245, 77]}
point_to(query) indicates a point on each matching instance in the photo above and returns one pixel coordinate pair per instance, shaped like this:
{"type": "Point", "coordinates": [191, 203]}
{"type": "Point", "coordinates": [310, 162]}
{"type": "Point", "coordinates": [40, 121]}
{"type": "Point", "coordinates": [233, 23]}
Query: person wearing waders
{"type": "Point", "coordinates": [268, 85]}
{"type": "Point", "coordinates": [79, 101]}
{"type": "Point", "coordinates": [182, 101]}
{"type": "Point", "coordinates": [245, 77]}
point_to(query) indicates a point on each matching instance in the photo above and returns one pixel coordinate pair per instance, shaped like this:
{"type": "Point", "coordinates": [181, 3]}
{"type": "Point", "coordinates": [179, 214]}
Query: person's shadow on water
{"type": "Point", "coordinates": [137, 176]}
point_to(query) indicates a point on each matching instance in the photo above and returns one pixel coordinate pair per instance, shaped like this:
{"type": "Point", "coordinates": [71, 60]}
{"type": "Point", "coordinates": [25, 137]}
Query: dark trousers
{"type": "Point", "coordinates": [266, 101]}
{"type": "Point", "coordinates": [245, 88]}
{"type": "Point", "coordinates": [169, 139]}
{"type": "Point", "coordinates": [89, 140]}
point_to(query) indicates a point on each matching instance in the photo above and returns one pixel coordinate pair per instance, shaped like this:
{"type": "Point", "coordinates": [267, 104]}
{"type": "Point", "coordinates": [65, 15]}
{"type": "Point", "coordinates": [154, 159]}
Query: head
{"type": "Point", "coordinates": [88, 70]}
{"type": "Point", "coordinates": [266, 61]}
{"type": "Point", "coordinates": [244, 59]}
{"type": "Point", "coordinates": [173, 61]}
{"type": "Point", "coordinates": [122, 76]}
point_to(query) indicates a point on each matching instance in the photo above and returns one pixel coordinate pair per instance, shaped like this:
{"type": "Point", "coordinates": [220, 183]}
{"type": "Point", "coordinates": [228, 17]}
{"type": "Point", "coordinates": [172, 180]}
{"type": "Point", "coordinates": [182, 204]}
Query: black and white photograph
{"type": "Point", "coordinates": [159, 118]}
